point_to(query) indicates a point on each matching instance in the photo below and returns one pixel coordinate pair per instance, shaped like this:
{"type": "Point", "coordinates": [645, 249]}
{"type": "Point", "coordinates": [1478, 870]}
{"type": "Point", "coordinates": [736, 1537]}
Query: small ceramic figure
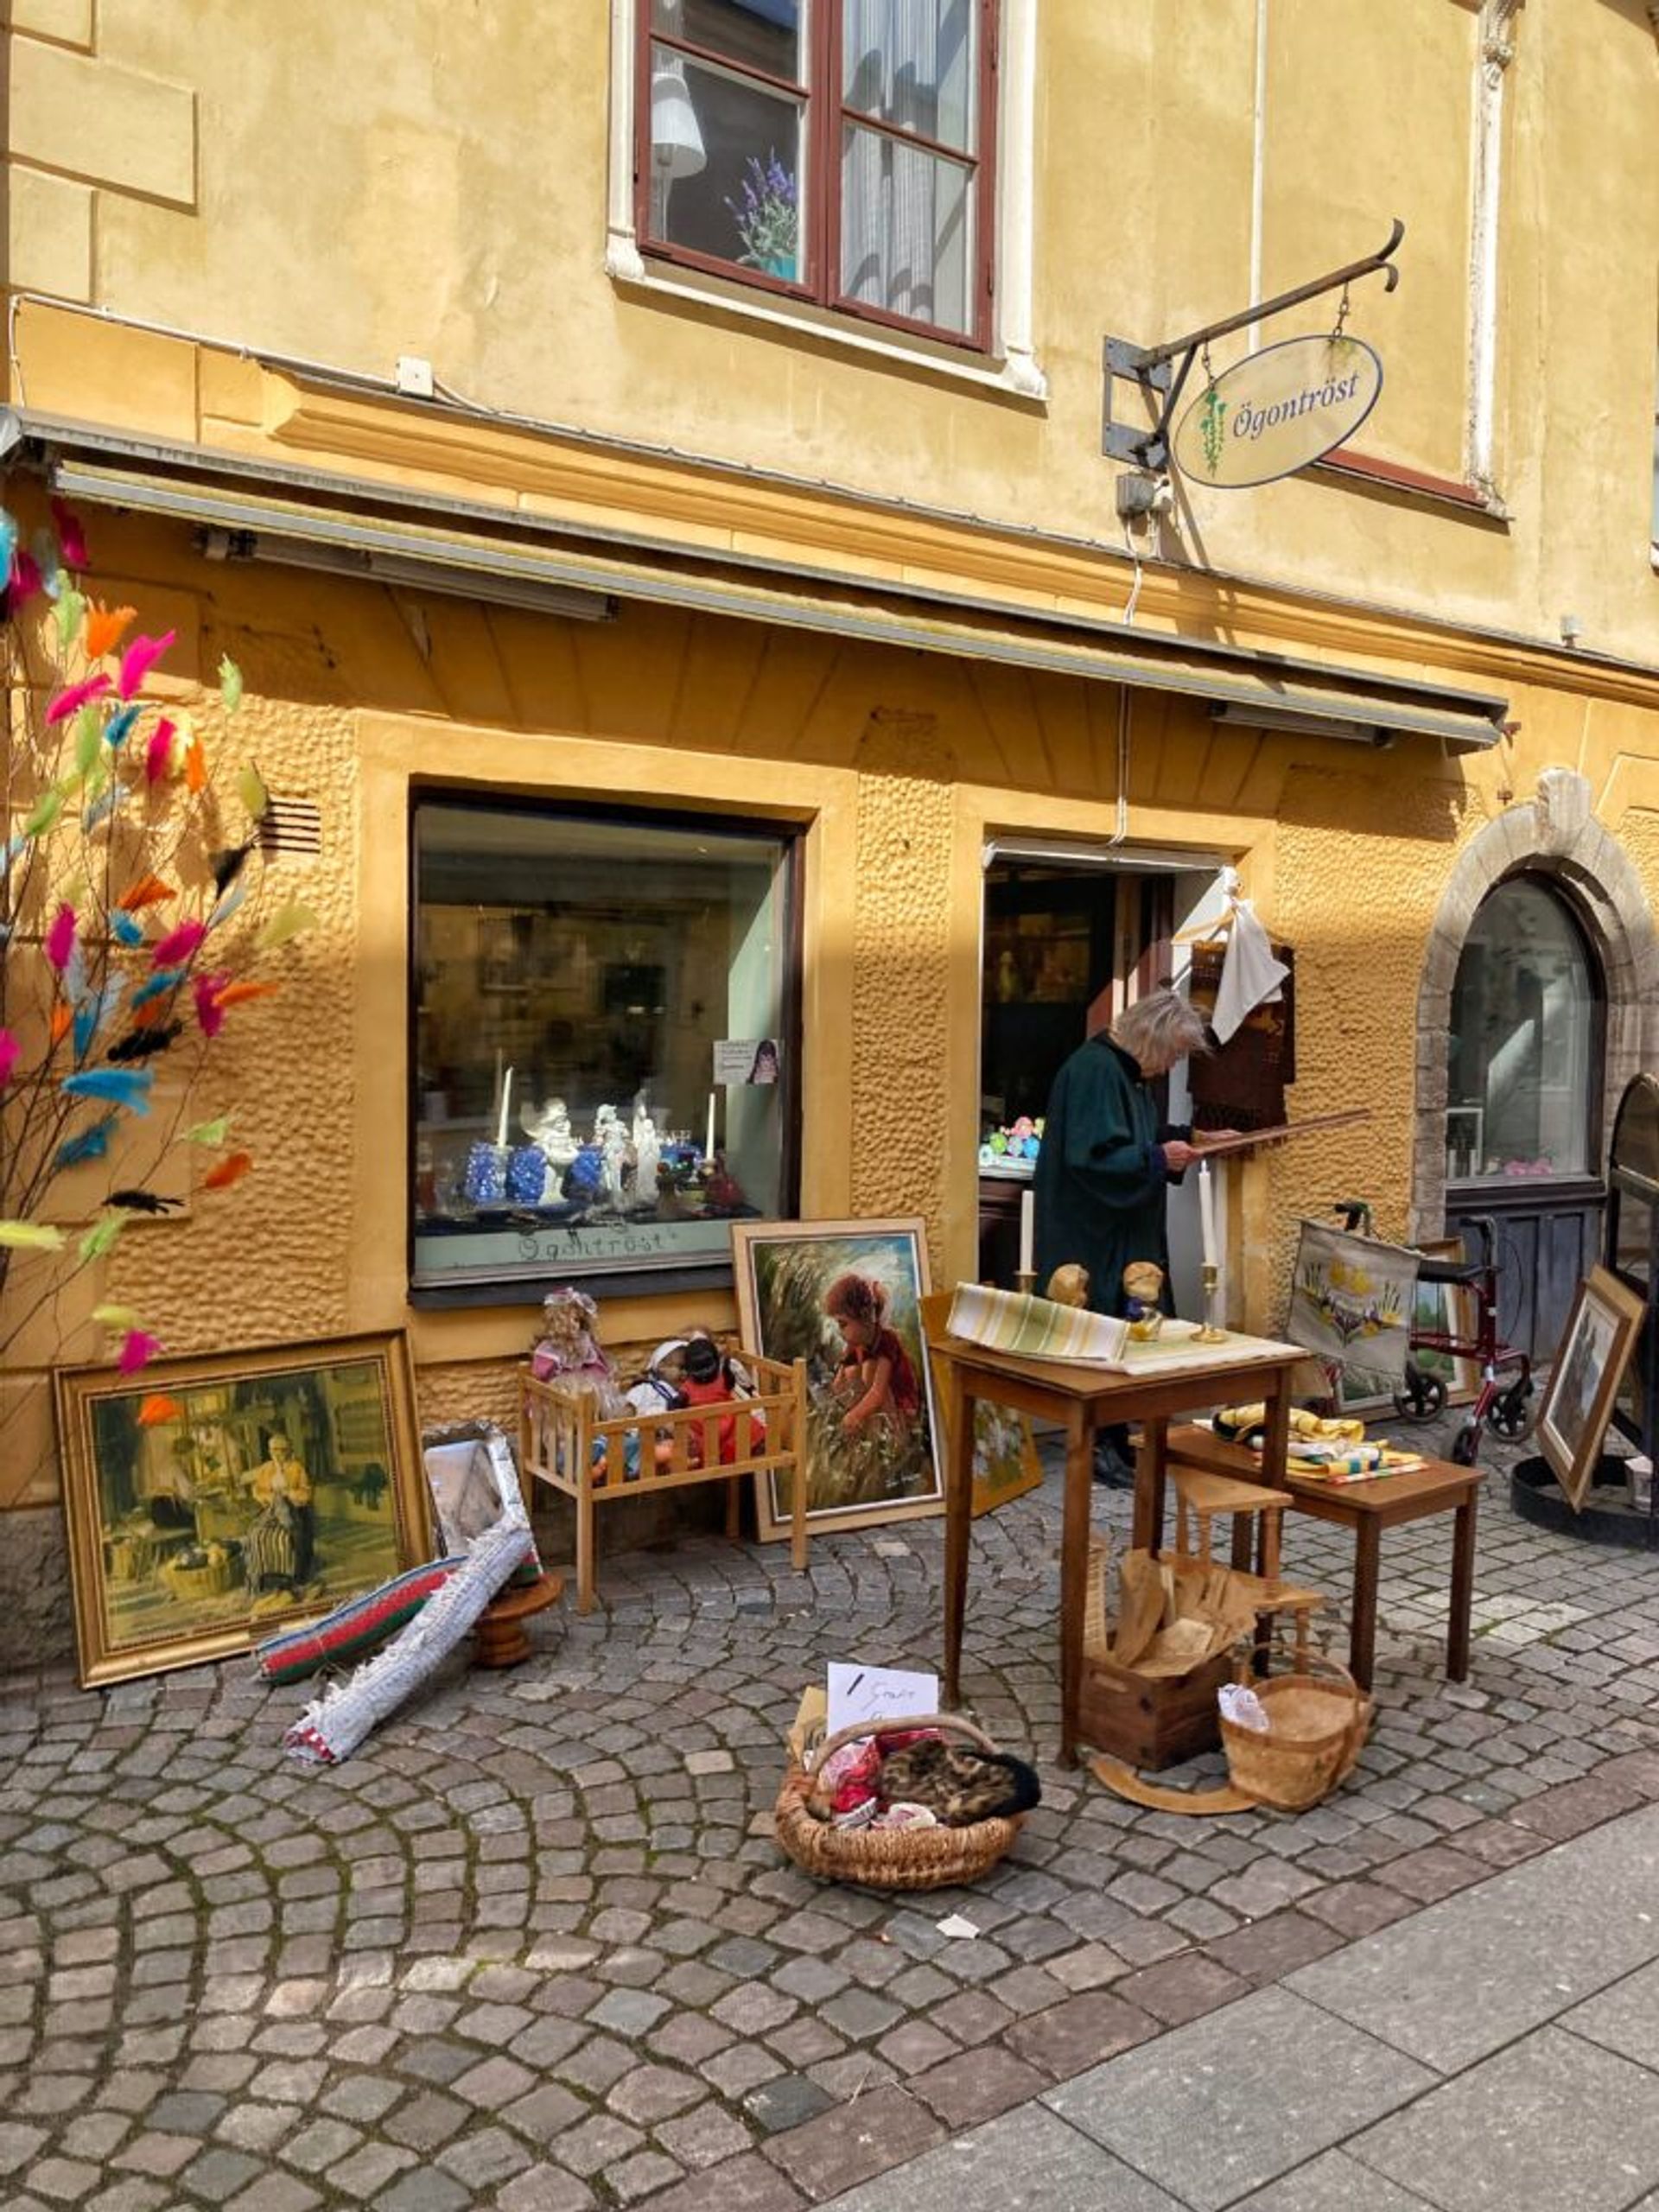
{"type": "Point", "coordinates": [614, 1149]}
{"type": "Point", "coordinates": [1143, 1285]}
{"type": "Point", "coordinates": [548, 1128]}
{"type": "Point", "coordinates": [647, 1157]}
{"type": "Point", "coordinates": [1069, 1286]}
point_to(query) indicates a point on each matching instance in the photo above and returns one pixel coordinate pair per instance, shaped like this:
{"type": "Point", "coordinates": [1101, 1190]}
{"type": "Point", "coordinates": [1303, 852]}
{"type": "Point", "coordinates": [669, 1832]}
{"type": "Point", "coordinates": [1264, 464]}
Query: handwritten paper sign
{"type": "Point", "coordinates": [860, 1693]}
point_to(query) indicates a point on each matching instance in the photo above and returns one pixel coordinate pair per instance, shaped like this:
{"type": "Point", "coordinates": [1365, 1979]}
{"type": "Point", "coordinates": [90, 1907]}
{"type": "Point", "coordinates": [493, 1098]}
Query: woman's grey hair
{"type": "Point", "coordinates": [1160, 1029]}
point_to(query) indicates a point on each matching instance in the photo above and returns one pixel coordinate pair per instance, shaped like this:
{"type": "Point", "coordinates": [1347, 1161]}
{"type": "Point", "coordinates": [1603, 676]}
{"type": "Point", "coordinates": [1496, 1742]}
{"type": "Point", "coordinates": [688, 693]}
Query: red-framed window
{"type": "Point", "coordinates": [839, 151]}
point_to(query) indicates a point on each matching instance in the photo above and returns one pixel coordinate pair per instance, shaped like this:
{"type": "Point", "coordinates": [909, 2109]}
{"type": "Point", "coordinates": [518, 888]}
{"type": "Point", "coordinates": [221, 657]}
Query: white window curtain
{"type": "Point", "coordinates": [905, 214]}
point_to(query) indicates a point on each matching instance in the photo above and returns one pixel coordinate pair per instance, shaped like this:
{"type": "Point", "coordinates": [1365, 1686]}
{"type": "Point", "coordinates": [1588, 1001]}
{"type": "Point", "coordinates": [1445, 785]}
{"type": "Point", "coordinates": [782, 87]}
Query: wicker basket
{"type": "Point", "coordinates": [210, 1581]}
{"type": "Point", "coordinates": [889, 1859]}
{"type": "Point", "coordinates": [1316, 1727]}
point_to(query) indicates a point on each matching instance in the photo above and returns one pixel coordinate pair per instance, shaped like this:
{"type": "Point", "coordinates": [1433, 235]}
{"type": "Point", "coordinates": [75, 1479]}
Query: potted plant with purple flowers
{"type": "Point", "coordinates": [768, 217]}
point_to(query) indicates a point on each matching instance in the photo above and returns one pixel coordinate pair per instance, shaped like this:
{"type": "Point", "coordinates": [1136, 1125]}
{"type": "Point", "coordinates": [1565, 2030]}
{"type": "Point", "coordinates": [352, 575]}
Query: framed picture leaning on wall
{"type": "Point", "coordinates": [1589, 1365]}
{"type": "Point", "coordinates": [844, 1296]}
{"type": "Point", "coordinates": [210, 1501]}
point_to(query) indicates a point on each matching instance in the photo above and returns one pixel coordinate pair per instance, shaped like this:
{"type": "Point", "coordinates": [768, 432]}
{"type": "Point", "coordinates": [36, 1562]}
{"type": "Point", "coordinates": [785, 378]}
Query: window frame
{"type": "Point", "coordinates": [826, 116]}
{"type": "Point", "coordinates": [610, 1278]}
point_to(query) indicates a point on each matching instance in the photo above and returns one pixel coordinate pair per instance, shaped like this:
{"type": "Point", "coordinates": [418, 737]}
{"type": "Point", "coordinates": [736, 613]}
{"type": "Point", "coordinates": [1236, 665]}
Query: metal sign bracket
{"type": "Point", "coordinates": [1160, 372]}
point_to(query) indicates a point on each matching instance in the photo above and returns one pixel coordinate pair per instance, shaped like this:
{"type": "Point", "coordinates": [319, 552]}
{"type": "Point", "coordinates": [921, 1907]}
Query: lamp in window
{"type": "Point", "coordinates": [676, 147]}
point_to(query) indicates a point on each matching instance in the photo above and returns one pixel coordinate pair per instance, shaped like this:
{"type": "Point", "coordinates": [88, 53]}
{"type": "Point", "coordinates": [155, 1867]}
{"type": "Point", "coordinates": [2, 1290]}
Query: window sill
{"type": "Point", "coordinates": [1368, 472]}
{"type": "Point", "coordinates": [599, 1283]}
{"type": "Point", "coordinates": [1015, 376]}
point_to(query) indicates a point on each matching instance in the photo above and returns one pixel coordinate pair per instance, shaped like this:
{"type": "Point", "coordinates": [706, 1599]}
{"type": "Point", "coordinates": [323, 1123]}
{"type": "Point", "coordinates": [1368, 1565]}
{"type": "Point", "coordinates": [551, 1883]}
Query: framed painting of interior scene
{"type": "Point", "coordinates": [212, 1500]}
{"type": "Point", "coordinates": [845, 1296]}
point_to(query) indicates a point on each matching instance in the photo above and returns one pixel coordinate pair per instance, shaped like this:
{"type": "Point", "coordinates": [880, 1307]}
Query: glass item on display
{"type": "Point", "coordinates": [576, 972]}
{"type": "Point", "coordinates": [1523, 1041]}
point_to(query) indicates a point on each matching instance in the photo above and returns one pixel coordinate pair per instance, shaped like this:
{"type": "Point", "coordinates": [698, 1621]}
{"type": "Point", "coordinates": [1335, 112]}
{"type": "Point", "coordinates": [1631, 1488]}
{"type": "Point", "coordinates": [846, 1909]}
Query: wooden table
{"type": "Point", "coordinates": [1368, 1508]}
{"type": "Point", "coordinates": [1081, 1400]}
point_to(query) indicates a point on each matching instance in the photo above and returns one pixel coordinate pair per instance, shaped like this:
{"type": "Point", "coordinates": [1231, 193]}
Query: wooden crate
{"type": "Point", "coordinates": [594, 1462]}
{"type": "Point", "coordinates": [1152, 1720]}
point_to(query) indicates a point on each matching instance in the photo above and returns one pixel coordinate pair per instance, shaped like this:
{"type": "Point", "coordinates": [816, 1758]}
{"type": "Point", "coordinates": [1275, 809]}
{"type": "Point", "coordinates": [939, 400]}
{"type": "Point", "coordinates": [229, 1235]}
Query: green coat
{"type": "Point", "coordinates": [1101, 1182]}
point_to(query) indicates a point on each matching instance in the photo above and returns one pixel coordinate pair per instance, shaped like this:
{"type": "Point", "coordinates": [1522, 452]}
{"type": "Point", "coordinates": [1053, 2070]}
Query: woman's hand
{"type": "Point", "coordinates": [1179, 1155]}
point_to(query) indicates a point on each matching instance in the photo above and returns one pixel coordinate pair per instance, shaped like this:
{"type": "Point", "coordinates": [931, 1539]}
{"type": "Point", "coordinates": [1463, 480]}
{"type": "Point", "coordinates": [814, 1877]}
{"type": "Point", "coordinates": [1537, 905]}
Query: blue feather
{"type": "Point", "coordinates": [90, 1144]}
{"type": "Point", "coordinates": [104, 805]}
{"type": "Point", "coordinates": [8, 542]}
{"type": "Point", "coordinates": [118, 728]}
{"type": "Point", "coordinates": [128, 927]}
{"type": "Point", "coordinates": [128, 1087]}
{"type": "Point", "coordinates": [165, 979]}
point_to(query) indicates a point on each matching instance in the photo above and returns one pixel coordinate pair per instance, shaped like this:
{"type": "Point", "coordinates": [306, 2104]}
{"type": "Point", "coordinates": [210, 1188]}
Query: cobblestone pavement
{"type": "Point", "coordinates": [532, 1947]}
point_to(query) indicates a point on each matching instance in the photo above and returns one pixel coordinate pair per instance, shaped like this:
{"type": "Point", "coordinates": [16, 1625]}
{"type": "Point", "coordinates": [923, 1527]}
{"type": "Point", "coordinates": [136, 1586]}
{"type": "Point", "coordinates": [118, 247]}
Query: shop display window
{"type": "Point", "coordinates": [836, 153]}
{"type": "Point", "coordinates": [1523, 1055]}
{"type": "Point", "coordinates": [604, 1040]}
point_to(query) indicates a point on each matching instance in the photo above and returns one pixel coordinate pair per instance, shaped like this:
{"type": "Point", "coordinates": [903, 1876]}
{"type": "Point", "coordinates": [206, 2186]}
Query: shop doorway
{"type": "Point", "coordinates": [1072, 934]}
{"type": "Point", "coordinates": [1525, 1074]}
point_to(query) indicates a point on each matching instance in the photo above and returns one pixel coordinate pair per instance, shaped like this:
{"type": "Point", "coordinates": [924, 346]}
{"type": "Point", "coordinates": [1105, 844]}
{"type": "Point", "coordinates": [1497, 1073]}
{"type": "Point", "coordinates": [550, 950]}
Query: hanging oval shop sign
{"type": "Point", "coordinates": [1277, 410]}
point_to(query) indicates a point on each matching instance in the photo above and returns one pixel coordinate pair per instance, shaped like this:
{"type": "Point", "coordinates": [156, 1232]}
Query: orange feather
{"type": "Point", "coordinates": [195, 768]}
{"type": "Point", "coordinates": [154, 1411]}
{"type": "Point", "coordinates": [148, 891]}
{"type": "Point", "coordinates": [106, 627]}
{"type": "Point", "coordinates": [61, 1018]}
{"type": "Point", "coordinates": [230, 1170]}
{"type": "Point", "coordinates": [237, 994]}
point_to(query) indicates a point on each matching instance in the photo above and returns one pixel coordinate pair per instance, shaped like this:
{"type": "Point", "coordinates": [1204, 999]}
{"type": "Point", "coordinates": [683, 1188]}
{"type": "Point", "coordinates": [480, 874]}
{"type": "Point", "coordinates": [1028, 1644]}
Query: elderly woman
{"type": "Point", "coordinates": [1107, 1161]}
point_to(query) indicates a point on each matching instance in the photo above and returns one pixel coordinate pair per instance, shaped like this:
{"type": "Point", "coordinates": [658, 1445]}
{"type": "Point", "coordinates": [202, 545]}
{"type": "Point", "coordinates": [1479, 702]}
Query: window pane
{"type": "Point", "coordinates": [757, 33]}
{"type": "Point", "coordinates": [584, 970]}
{"type": "Point", "coordinates": [1520, 1052]}
{"type": "Point", "coordinates": [912, 63]}
{"type": "Point", "coordinates": [906, 228]}
{"type": "Point", "coordinates": [726, 166]}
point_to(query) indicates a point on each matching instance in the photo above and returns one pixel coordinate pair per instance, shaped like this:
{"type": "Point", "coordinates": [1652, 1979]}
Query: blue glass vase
{"type": "Point", "coordinates": [484, 1182]}
{"type": "Point", "coordinates": [526, 1174]}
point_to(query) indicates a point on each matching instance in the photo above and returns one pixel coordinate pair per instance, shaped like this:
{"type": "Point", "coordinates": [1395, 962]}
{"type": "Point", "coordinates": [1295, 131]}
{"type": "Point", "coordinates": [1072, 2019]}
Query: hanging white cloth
{"type": "Point", "coordinates": [1250, 975]}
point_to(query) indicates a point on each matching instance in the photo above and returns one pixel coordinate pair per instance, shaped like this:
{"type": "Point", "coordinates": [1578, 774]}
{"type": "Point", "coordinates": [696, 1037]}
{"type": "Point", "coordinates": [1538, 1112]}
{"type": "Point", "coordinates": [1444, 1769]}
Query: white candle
{"type": "Point", "coordinates": [708, 1149]}
{"type": "Point", "coordinates": [1207, 1213]}
{"type": "Point", "coordinates": [1027, 1231]}
{"type": "Point", "coordinates": [506, 1094]}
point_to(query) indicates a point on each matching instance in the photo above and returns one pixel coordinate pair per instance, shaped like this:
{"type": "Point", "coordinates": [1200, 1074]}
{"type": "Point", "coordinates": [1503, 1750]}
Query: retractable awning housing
{"type": "Point", "coordinates": [252, 510]}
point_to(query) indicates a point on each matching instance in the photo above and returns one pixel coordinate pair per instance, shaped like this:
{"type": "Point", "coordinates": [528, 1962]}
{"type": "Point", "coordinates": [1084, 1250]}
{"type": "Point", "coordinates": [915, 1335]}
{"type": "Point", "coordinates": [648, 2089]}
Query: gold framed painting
{"type": "Point", "coordinates": [1589, 1365]}
{"type": "Point", "coordinates": [210, 1502]}
{"type": "Point", "coordinates": [845, 1297]}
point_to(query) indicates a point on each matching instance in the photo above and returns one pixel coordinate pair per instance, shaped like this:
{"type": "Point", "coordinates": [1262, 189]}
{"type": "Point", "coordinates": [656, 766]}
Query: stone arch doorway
{"type": "Point", "coordinates": [1550, 1223]}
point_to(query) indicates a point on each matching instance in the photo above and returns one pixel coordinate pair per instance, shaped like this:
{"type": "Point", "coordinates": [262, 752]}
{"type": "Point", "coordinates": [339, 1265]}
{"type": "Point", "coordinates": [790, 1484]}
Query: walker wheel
{"type": "Point", "coordinates": [1465, 1444]}
{"type": "Point", "coordinates": [1423, 1397]}
{"type": "Point", "coordinates": [1508, 1416]}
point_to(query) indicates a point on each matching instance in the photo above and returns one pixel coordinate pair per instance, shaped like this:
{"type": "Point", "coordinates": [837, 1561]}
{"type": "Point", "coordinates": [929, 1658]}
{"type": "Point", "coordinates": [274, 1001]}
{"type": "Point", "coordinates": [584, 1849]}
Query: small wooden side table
{"type": "Point", "coordinates": [1368, 1508]}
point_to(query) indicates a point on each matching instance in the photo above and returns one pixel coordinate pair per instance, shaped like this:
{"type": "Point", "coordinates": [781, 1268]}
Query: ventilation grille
{"type": "Point", "coordinates": [291, 830]}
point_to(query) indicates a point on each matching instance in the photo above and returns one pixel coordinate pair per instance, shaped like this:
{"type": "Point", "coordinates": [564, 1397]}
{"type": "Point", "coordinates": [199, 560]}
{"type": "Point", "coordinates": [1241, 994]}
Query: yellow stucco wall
{"type": "Point", "coordinates": [435, 181]}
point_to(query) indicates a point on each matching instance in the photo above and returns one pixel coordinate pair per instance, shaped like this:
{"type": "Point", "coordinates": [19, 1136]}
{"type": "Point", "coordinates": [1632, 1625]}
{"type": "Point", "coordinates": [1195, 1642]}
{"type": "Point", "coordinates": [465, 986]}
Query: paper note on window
{"type": "Point", "coordinates": [860, 1693]}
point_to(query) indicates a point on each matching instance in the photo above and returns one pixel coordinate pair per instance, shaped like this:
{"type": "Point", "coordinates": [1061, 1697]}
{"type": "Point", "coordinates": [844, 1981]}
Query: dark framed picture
{"type": "Point", "coordinates": [845, 1297]}
{"type": "Point", "coordinates": [1589, 1366]}
{"type": "Point", "coordinates": [214, 1500]}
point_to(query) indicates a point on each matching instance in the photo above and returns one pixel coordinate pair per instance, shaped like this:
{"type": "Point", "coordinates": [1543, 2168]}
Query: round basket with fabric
{"type": "Point", "coordinates": [1316, 1727]}
{"type": "Point", "coordinates": [889, 1859]}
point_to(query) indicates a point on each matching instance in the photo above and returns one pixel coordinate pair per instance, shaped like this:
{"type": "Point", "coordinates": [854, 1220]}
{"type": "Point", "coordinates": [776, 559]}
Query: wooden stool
{"type": "Point", "coordinates": [1203, 1495]}
{"type": "Point", "coordinates": [499, 1639]}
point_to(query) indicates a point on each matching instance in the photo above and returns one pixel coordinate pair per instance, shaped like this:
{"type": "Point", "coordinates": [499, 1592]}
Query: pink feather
{"type": "Point", "coordinates": [25, 579]}
{"type": "Point", "coordinates": [70, 701]}
{"type": "Point", "coordinates": [72, 538]}
{"type": "Point", "coordinates": [158, 756]}
{"type": "Point", "coordinates": [176, 947]}
{"type": "Point", "coordinates": [9, 1048]}
{"type": "Point", "coordinates": [60, 939]}
{"type": "Point", "coordinates": [209, 1013]}
{"type": "Point", "coordinates": [139, 658]}
{"type": "Point", "coordinates": [138, 1350]}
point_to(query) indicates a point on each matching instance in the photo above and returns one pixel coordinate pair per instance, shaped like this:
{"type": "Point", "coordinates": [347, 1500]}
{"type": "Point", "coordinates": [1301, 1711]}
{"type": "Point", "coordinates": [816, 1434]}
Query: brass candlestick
{"type": "Point", "coordinates": [1210, 1331]}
